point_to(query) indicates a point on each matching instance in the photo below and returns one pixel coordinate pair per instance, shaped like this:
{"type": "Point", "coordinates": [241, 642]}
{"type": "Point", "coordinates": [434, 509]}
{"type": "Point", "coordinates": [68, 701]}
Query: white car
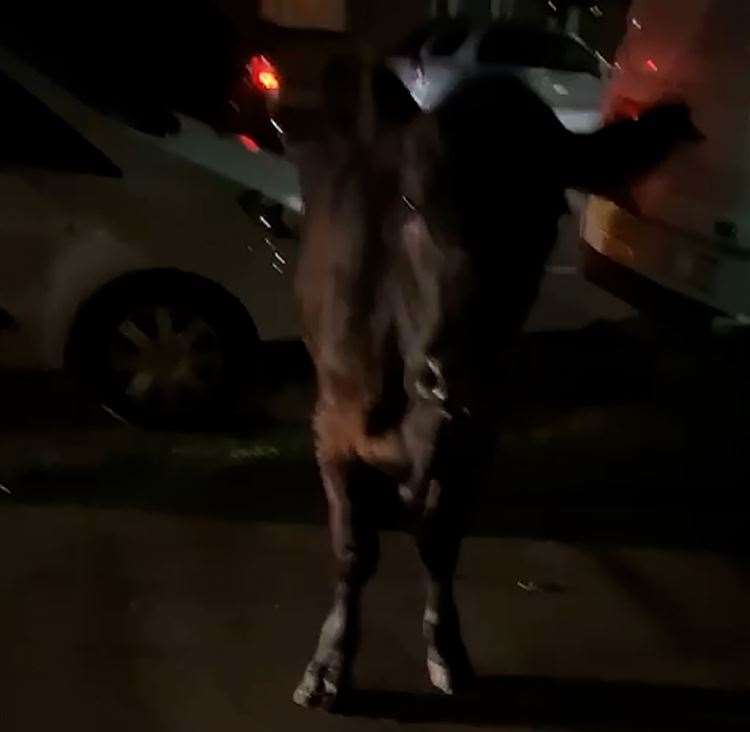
{"type": "Point", "coordinates": [680, 240]}
{"type": "Point", "coordinates": [138, 261]}
{"type": "Point", "coordinates": [558, 66]}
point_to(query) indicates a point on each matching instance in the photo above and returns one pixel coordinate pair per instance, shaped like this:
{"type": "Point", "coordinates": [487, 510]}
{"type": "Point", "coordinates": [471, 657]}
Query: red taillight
{"type": "Point", "coordinates": [263, 74]}
{"type": "Point", "coordinates": [624, 108]}
{"type": "Point", "coordinates": [248, 143]}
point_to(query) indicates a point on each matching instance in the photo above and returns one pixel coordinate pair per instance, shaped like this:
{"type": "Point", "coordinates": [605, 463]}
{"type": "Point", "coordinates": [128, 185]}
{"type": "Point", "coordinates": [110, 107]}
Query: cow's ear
{"type": "Point", "coordinates": [360, 97]}
{"type": "Point", "coordinates": [617, 155]}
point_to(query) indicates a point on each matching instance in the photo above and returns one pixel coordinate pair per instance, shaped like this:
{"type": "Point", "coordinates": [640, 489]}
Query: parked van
{"type": "Point", "coordinates": [681, 237]}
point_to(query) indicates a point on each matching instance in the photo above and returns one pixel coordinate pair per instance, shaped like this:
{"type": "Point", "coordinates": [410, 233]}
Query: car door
{"type": "Point", "coordinates": [34, 144]}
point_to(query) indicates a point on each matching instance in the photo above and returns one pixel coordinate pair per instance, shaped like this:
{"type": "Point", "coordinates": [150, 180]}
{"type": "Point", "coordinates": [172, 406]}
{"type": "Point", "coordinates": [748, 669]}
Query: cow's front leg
{"type": "Point", "coordinates": [355, 547]}
{"type": "Point", "coordinates": [438, 540]}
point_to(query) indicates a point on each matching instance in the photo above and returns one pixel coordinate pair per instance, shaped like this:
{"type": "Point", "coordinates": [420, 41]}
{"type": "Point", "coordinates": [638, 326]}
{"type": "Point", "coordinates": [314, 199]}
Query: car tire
{"type": "Point", "coordinates": [163, 349]}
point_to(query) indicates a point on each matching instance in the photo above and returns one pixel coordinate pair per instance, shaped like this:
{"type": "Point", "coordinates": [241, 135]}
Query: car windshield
{"type": "Point", "coordinates": [449, 40]}
{"type": "Point", "coordinates": [442, 37]}
{"type": "Point", "coordinates": [506, 44]}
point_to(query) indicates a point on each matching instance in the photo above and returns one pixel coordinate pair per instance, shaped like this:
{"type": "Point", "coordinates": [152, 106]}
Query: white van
{"type": "Point", "coordinates": [686, 227]}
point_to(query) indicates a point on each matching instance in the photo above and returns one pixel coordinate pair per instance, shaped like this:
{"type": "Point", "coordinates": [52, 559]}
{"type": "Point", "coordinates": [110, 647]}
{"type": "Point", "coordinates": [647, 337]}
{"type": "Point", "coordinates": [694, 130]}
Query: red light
{"type": "Point", "coordinates": [248, 143]}
{"type": "Point", "coordinates": [624, 108]}
{"type": "Point", "coordinates": [264, 74]}
{"type": "Point", "coordinates": [268, 80]}
{"type": "Point", "coordinates": [651, 65]}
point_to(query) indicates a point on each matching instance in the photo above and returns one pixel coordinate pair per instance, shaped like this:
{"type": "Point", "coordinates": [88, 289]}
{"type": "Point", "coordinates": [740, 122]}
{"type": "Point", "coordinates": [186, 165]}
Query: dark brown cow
{"type": "Point", "coordinates": [426, 239]}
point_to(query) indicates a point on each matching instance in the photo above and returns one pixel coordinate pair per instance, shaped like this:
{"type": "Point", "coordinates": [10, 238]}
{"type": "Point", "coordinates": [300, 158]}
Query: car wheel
{"type": "Point", "coordinates": [168, 350]}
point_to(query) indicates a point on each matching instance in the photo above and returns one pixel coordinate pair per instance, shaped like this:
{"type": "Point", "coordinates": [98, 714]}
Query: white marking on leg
{"type": "Point", "coordinates": [439, 676]}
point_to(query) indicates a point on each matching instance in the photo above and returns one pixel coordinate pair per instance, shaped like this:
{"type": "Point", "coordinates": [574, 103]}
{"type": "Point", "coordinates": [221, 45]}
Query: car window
{"type": "Point", "coordinates": [145, 61]}
{"type": "Point", "coordinates": [510, 45]}
{"type": "Point", "coordinates": [413, 43]}
{"type": "Point", "coordinates": [31, 134]}
{"type": "Point", "coordinates": [441, 37]}
{"type": "Point", "coordinates": [514, 46]}
{"type": "Point", "coordinates": [570, 55]}
{"type": "Point", "coordinates": [449, 40]}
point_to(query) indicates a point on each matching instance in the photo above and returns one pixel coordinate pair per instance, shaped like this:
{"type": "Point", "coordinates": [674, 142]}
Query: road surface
{"type": "Point", "coordinates": [166, 581]}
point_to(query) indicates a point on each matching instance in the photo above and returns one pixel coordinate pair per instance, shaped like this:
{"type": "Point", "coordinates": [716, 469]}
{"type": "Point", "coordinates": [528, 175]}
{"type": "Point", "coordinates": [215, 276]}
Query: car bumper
{"type": "Point", "coordinates": [651, 257]}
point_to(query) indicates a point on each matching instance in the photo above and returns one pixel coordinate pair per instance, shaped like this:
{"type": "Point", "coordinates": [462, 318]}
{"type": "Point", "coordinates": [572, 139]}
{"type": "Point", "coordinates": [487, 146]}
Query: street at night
{"type": "Point", "coordinates": [174, 580]}
{"type": "Point", "coordinates": [438, 309]}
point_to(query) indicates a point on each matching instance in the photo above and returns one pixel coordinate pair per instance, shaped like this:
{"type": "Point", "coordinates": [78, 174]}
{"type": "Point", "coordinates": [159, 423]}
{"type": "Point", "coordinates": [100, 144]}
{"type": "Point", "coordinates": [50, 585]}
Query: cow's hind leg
{"type": "Point", "coordinates": [355, 546]}
{"type": "Point", "coordinates": [439, 540]}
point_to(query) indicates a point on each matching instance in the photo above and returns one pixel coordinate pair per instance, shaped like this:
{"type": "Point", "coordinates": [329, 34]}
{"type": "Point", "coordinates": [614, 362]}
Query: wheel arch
{"type": "Point", "coordinates": [145, 280]}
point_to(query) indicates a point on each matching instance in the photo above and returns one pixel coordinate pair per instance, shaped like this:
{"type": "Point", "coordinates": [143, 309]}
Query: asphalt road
{"type": "Point", "coordinates": [123, 619]}
{"type": "Point", "coordinates": [175, 581]}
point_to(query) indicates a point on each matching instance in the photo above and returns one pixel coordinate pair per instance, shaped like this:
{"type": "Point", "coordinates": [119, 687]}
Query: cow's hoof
{"type": "Point", "coordinates": [449, 677]}
{"type": "Point", "coordinates": [321, 687]}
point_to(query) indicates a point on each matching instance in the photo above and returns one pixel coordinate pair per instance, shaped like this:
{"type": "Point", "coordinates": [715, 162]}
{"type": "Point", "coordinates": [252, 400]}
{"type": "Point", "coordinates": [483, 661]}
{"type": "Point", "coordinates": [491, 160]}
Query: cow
{"type": "Point", "coordinates": [424, 244]}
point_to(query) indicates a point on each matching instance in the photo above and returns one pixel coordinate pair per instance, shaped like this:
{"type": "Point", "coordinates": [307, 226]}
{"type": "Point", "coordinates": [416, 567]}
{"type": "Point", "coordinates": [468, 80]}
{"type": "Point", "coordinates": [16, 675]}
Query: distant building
{"type": "Point", "coordinates": [601, 23]}
{"type": "Point", "coordinates": [324, 14]}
